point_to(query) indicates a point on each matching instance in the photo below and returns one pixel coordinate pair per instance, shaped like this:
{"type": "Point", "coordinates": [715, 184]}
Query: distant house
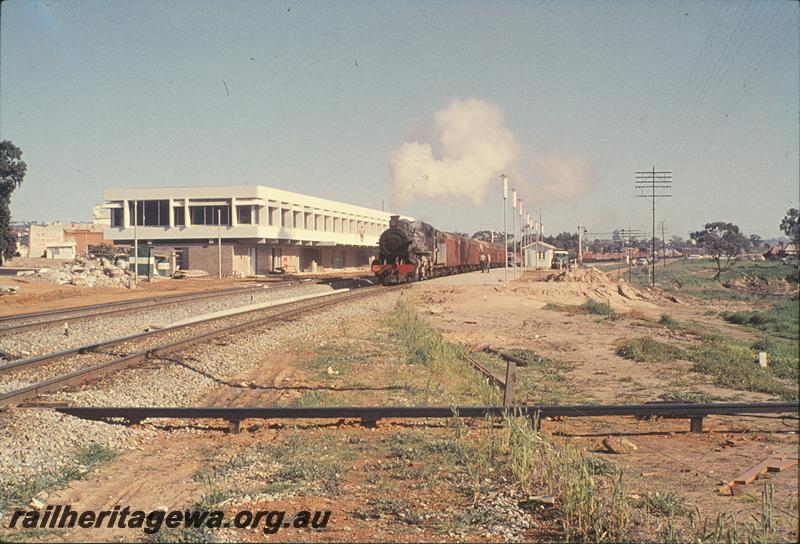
{"type": "Point", "coordinates": [83, 238]}
{"type": "Point", "coordinates": [61, 250]}
{"type": "Point", "coordinates": [539, 255]}
{"type": "Point", "coordinates": [781, 250]}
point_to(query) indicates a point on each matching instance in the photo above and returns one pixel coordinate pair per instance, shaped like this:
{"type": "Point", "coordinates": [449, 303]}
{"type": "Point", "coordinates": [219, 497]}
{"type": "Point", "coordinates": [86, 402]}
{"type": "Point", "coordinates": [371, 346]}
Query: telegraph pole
{"type": "Point", "coordinates": [652, 180]}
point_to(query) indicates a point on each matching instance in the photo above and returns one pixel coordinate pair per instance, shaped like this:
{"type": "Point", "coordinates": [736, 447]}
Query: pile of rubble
{"type": "Point", "coordinates": [85, 273]}
{"type": "Point", "coordinates": [589, 274]}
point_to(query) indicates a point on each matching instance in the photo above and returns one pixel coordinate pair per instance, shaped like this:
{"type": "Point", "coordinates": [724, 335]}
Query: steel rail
{"type": "Point", "coordinates": [236, 415]}
{"type": "Point", "coordinates": [90, 372]}
{"type": "Point", "coordinates": [119, 307]}
{"type": "Point", "coordinates": [38, 360]}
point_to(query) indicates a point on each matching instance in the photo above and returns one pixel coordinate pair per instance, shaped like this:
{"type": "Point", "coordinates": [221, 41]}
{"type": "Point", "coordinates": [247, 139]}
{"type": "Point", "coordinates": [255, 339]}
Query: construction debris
{"type": "Point", "coordinates": [8, 289]}
{"type": "Point", "coordinates": [85, 273]}
{"type": "Point", "coordinates": [773, 464]}
{"type": "Point", "coordinates": [189, 274]}
{"type": "Point", "coordinates": [619, 445]}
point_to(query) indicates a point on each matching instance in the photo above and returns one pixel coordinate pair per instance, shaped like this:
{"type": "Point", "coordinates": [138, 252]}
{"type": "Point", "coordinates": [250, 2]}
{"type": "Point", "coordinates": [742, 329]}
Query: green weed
{"type": "Point", "coordinates": [648, 350]}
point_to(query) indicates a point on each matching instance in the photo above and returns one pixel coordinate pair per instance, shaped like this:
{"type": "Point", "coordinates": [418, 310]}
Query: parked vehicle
{"type": "Point", "coordinates": [641, 261]}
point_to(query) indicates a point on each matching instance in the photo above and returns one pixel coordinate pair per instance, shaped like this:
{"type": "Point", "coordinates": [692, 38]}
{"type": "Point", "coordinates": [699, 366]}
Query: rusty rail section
{"type": "Point", "coordinates": [85, 374]}
{"type": "Point", "coordinates": [372, 414]}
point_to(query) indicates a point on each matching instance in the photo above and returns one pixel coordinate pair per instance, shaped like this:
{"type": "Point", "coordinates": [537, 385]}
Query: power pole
{"type": "Point", "coordinates": [652, 180]}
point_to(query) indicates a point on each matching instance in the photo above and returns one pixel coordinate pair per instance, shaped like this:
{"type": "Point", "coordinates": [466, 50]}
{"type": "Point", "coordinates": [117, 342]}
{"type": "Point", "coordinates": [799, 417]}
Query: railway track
{"type": "Point", "coordinates": [36, 320]}
{"type": "Point", "coordinates": [84, 363]}
{"type": "Point", "coordinates": [371, 414]}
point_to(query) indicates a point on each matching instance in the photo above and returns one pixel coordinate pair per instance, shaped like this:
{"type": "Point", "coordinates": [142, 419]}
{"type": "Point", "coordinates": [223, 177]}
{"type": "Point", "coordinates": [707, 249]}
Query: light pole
{"type": "Point", "coordinates": [505, 226]}
{"type": "Point", "coordinates": [135, 245]}
{"type": "Point", "coordinates": [219, 242]}
{"type": "Point", "coordinates": [522, 257]}
{"type": "Point", "coordinates": [514, 231]}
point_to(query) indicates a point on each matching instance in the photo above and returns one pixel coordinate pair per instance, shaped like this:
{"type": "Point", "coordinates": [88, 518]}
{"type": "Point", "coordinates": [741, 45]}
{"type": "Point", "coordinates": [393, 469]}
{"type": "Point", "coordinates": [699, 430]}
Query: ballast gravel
{"type": "Point", "coordinates": [95, 329]}
{"type": "Point", "coordinates": [35, 441]}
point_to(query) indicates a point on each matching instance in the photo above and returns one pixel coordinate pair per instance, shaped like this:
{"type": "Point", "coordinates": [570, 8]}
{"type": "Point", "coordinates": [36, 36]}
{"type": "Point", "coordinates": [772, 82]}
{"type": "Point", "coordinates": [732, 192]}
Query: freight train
{"type": "Point", "coordinates": [414, 251]}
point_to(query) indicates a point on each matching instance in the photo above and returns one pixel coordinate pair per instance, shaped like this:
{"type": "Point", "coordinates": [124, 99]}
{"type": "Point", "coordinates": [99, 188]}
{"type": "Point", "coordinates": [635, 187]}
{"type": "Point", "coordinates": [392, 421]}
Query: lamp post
{"type": "Point", "coordinates": [514, 232]}
{"type": "Point", "coordinates": [505, 227]}
{"type": "Point", "coordinates": [135, 245]}
{"type": "Point", "coordinates": [522, 260]}
{"type": "Point", "coordinates": [219, 242]}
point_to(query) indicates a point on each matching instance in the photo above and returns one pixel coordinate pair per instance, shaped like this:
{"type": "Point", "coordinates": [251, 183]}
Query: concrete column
{"type": "Point", "coordinates": [171, 214]}
{"type": "Point", "coordinates": [233, 212]}
{"type": "Point", "coordinates": [126, 215]}
{"type": "Point", "coordinates": [187, 219]}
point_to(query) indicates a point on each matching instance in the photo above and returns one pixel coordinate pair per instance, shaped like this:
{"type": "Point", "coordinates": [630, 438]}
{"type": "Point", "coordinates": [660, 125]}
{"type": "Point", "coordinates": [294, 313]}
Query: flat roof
{"type": "Point", "coordinates": [261, 192]}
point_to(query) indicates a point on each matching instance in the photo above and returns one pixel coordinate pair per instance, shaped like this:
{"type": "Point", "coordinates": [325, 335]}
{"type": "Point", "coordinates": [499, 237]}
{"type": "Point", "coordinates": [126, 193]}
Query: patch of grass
{"type": "Point", "coordinates": [664, 503]}
{"type": "Point", "coordinates": [595, 307]}
{"type": "Point", "coordinates": [695, 278]}
{"type": "Point", "coordinates": [450, 377]}
{"type": "Point", "coordinates": [591, 306]}
{"type": "Point", "coordinates": [668, 321]}
{"type": "Point", "coordinates": [686, 396]}
{"type": "Point", "coordinates": [591, 503]}
{"type": "Point", "coordinates": [338, 357]}
{"type": "Point", "coordinates": [544, 380]}
{"type": "Point", "coordinates": [648, 350]}
{"type": "Point", "coordinates": [318, 398]}
{"type": "Point", "coordinates": [83, 461]}
{"type": "Point", "coordinates": [729, 362]}
{"type": "Point", "coordinates": [782, 319]}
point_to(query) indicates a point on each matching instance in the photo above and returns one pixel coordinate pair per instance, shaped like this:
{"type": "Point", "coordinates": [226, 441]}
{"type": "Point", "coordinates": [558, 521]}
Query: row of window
{"type": "Point", "coordinates": [280, 217]}
{"type": "Point", "coordinates": [155, 213]}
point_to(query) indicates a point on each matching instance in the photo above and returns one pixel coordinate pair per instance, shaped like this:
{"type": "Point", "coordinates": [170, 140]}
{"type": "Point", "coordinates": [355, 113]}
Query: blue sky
{"type": "Point", "coordinates": [110, 94]}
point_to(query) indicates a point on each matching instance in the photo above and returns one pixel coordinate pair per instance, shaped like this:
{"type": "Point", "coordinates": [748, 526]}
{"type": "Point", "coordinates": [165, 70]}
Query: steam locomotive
{"type": "Point", "coordinates": [414, 251]}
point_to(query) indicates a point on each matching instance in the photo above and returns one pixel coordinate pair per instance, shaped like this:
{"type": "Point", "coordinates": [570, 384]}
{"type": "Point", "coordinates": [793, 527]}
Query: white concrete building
{"type": "Point", "coordinates": [262, 229]}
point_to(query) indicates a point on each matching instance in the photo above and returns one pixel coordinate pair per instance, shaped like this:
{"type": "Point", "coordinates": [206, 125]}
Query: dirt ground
{"type": "Point", "coordinates": [396, 482]}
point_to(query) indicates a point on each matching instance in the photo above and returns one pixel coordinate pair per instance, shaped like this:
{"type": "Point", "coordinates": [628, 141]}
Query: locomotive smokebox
{"type": "Point", "coordinates": [394, 242]}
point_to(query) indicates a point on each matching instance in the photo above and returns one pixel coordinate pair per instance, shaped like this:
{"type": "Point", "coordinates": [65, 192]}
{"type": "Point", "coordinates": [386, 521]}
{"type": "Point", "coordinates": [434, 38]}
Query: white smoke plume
{"type": "Point", "coordinates": [474, 147]}
{"type": "Point", "coordinates": [554, 175]}
{"type": "Point", "coordinates": [470, 146]}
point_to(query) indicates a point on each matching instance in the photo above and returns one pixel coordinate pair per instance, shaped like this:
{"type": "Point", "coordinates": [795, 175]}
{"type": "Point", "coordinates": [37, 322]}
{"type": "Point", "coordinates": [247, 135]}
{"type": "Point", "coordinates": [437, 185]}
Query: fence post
{"type": "Point", "coordinates": [508, 392]}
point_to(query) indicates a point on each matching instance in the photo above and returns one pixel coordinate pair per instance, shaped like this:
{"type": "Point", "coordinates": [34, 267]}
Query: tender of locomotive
{"type": "Point", "coordinates": [414, 250]}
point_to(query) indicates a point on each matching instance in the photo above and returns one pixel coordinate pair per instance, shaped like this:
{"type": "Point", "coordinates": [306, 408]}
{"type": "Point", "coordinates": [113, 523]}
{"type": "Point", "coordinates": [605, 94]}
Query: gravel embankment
{"type": "Point", "coordinates": [28, 375]}
{"type": "Point", "coordinates": [95, 329]}
{"type": "Point", "coordinates": [33, 441]}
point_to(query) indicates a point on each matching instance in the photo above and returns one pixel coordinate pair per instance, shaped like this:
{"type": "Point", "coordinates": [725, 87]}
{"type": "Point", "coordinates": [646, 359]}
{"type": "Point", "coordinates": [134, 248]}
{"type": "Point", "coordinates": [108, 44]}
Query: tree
{"type": "Point", "coordinates": [12, 172]}
{"type": "Point", "coordinates": [791, 226]}
{"type": "Point", "coordinates": [723, 241]}
{"type": "Point", "coordinates": [564, 240]}
{"type": "Point", "coordinates": [755, 241]}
